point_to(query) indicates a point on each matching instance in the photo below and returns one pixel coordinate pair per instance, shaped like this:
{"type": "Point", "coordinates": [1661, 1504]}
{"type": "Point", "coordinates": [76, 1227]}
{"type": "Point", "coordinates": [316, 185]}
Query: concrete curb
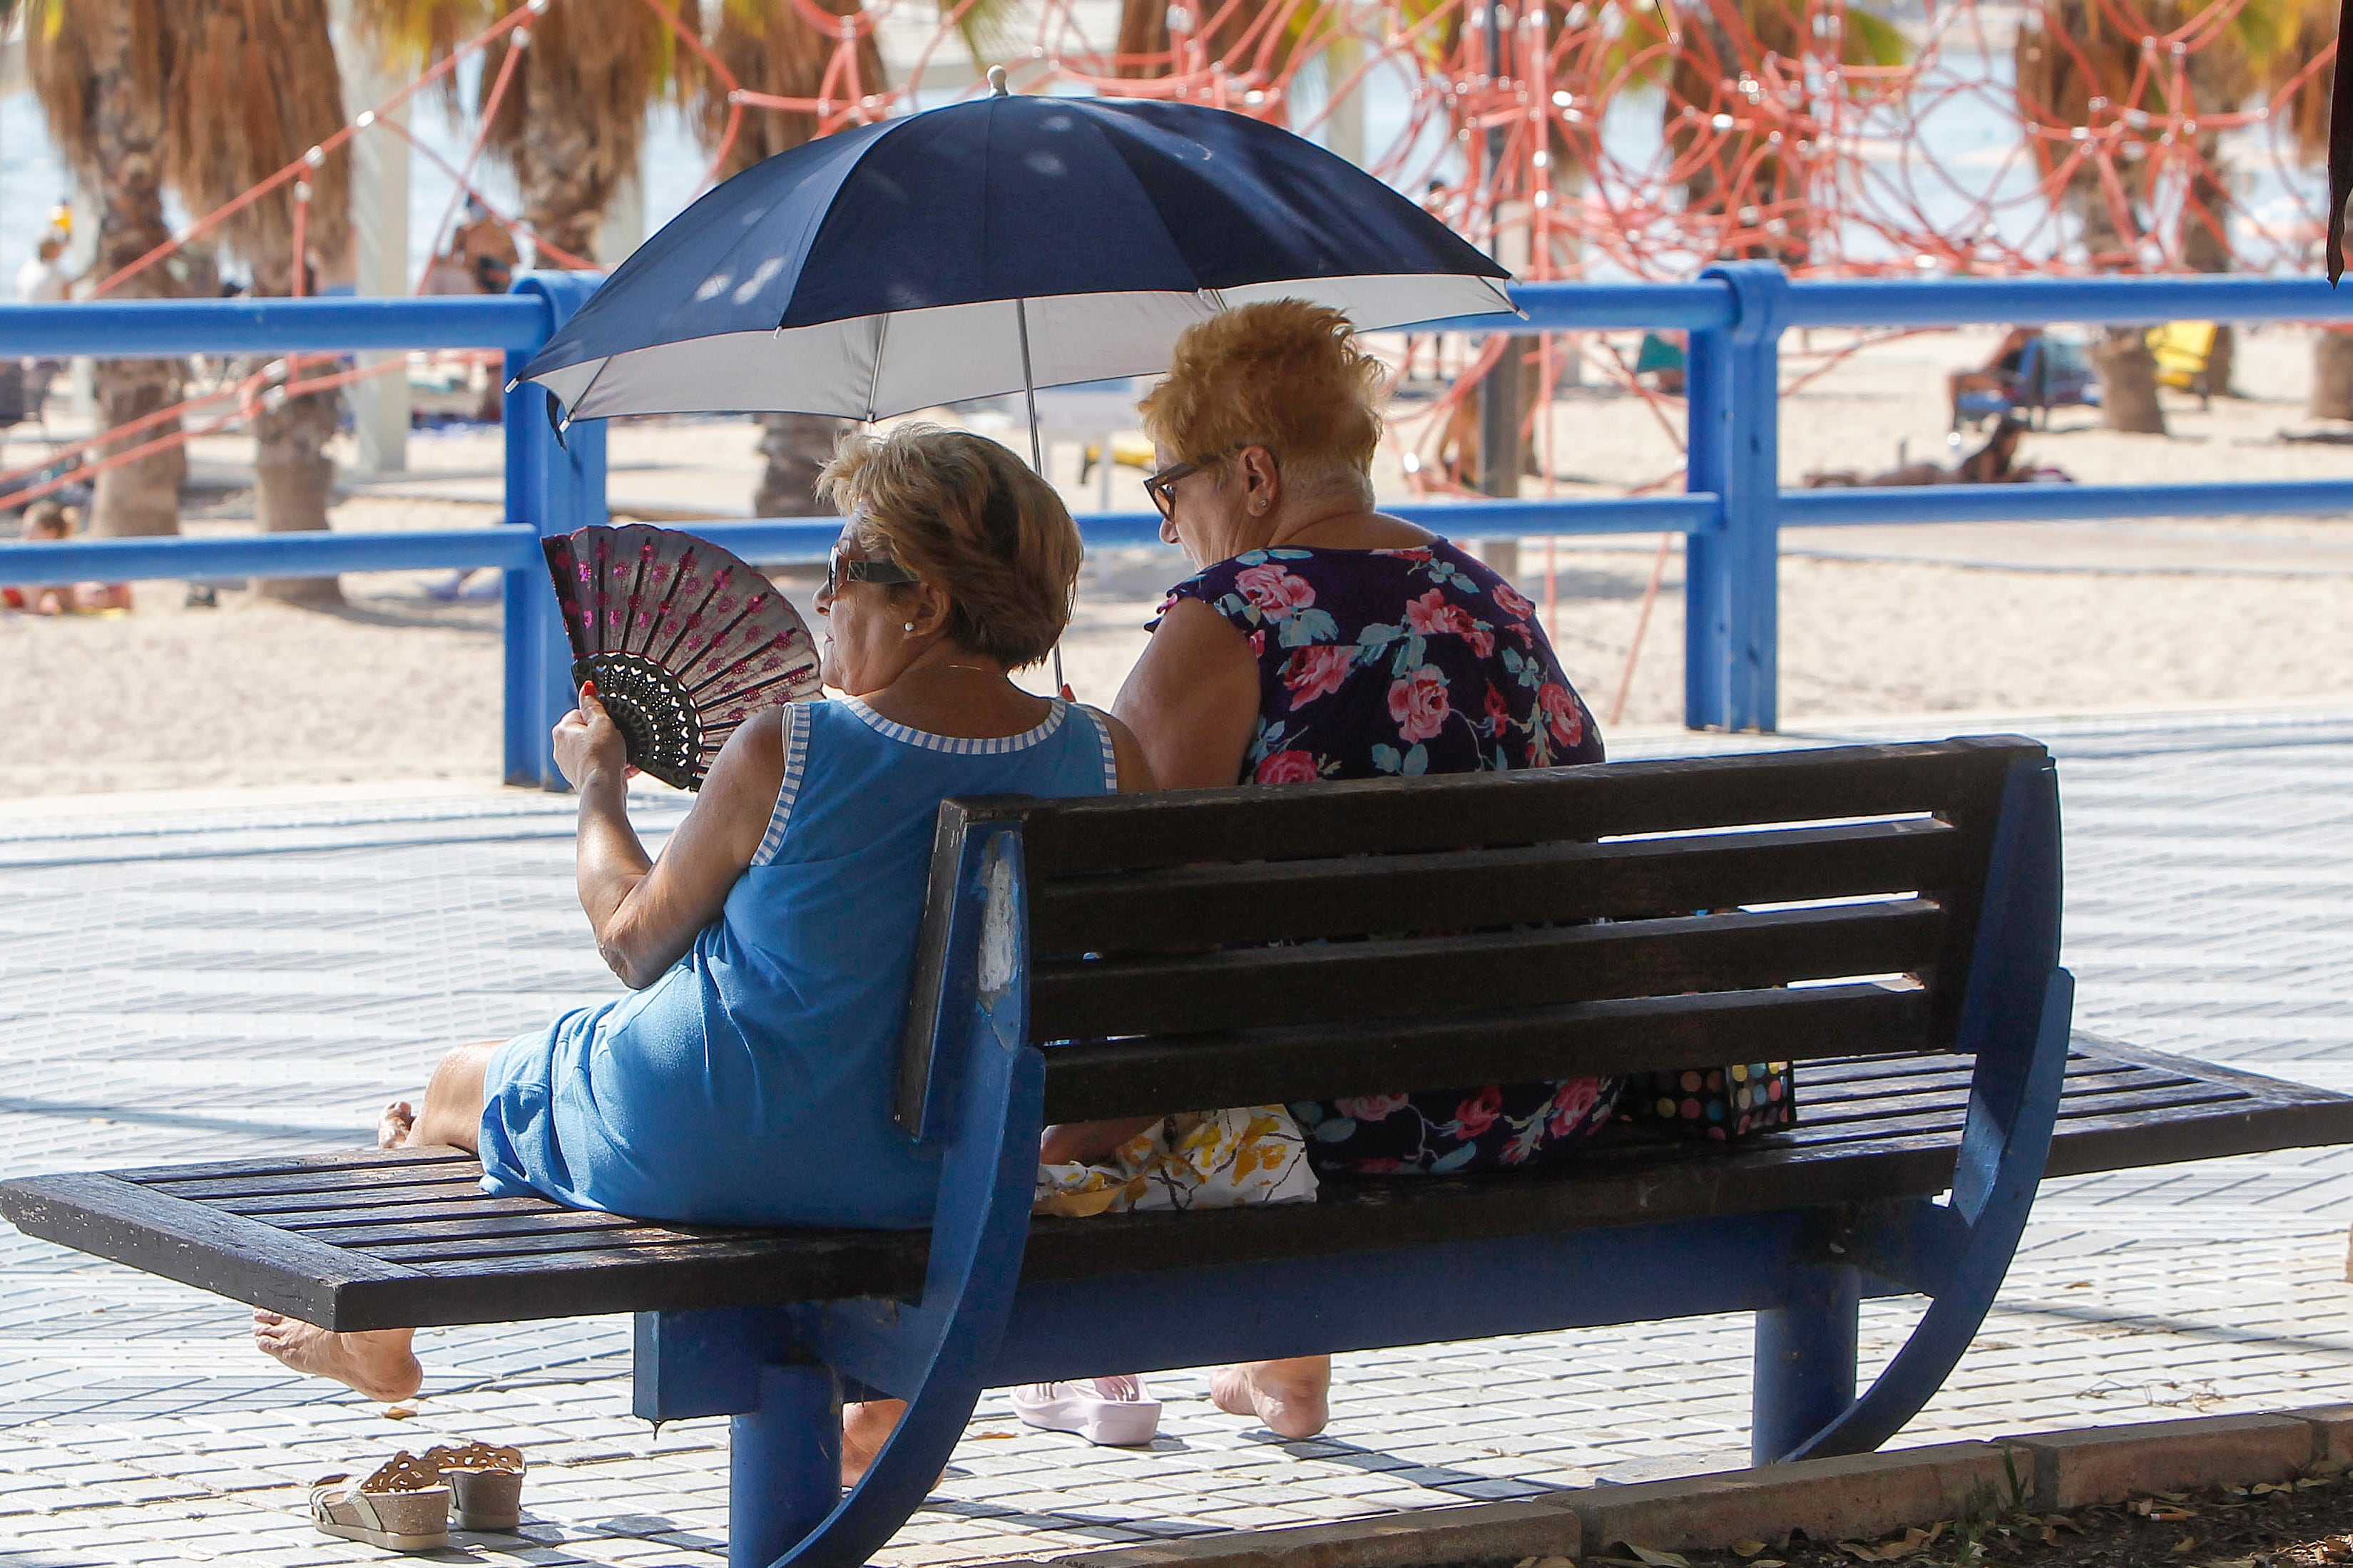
{"type": "Point", "coordinates": [1857, 1496]}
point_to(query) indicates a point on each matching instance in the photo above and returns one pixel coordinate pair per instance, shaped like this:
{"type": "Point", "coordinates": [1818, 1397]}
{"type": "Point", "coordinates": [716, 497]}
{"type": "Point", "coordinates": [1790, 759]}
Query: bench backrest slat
{"type": "Point", "coordinates": [1238, 946]}
{"type": "Point", "coordinates": [1409, 976]}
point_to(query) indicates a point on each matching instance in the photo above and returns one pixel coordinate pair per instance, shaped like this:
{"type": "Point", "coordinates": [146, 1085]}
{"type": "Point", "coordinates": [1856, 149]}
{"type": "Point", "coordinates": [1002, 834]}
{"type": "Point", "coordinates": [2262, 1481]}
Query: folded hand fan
{"type": "Point", "coordinates": [683, 641]}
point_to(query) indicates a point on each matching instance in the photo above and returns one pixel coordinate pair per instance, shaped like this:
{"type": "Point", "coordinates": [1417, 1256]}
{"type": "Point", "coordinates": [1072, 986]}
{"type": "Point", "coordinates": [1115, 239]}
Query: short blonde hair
{"type": "Point", "coordinates": [968, 517]}
{"type": "Point", "coordinates": [1284, 374]}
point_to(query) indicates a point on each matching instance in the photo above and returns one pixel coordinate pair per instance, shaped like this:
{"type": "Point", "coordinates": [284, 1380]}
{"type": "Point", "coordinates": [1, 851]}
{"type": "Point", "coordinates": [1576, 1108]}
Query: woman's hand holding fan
{"type": "Point", "coordinates": [586, 740]}
{"type": "Point", "coordinates": [680, 640]}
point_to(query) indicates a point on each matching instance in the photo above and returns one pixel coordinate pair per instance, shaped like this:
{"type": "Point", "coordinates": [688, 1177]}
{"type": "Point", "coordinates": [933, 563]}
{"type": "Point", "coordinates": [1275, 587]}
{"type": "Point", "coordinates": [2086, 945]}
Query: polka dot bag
{"type": "Point", "coordinates": [1720, 1103]}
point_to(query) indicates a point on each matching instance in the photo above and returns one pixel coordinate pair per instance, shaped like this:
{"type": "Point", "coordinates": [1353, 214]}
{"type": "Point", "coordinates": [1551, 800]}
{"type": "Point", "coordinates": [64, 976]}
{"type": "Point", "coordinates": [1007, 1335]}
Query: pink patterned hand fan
{"type": "Point", "coordinates": [683, 641]}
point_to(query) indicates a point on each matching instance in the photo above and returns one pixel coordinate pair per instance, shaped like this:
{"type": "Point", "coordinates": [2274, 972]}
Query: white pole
{"type": "Point", "coordinates": [379, 240]}
{"type": "Point", "coordinates": [1037, 449]}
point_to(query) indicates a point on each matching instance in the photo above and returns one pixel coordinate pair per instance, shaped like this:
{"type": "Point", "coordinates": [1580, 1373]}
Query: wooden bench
{"type": "Point", "coordinates": [1886, 916]}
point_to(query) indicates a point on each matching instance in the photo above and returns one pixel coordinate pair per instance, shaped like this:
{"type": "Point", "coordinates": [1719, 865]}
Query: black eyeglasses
{"type": "Point", "coordinates": [1162, 487]}
{"type": "Point", "coordinates": [853, 570]}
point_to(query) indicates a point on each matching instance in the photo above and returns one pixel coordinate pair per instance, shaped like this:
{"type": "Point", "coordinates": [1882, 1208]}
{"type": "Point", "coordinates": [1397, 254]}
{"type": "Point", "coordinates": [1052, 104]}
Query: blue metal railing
{"type": "Point", "coordinates": [1731, 513]}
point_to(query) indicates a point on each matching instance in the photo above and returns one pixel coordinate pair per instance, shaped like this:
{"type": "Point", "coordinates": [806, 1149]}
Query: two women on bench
{"type": "Point", "coordinates": [749, 1078]}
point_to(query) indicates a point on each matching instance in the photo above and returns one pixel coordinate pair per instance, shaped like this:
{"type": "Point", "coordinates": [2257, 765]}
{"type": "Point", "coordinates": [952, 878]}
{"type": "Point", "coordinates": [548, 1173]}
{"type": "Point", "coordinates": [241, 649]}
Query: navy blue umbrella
{"type": "Point", "coordinates": [1002, 243]}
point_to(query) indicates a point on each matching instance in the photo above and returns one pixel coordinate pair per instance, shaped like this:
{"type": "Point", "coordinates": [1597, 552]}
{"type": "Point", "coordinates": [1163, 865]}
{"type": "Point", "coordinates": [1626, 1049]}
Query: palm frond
{"type": "Point", "coordinates": [769, 46]}
{"type": "Point", "coordinates": [257, 89]}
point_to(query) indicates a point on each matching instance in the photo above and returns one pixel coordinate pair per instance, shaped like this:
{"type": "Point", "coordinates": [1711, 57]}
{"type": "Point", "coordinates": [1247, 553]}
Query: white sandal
{"type": "Point", "coordinates": [1111, 1412]}
{"type": "Point", "coordinates": [403, 1507]}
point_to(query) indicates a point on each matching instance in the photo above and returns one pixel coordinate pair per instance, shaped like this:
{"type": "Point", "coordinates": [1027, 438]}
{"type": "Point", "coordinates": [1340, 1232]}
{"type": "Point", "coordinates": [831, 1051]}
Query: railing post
{"type": "Point", "coordinates": [555, 488]}
{"type": "Point", "coordinates": [1731, 577]}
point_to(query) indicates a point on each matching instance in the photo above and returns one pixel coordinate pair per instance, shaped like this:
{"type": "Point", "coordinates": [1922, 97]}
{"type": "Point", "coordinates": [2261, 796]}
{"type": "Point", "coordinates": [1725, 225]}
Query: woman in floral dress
{"type": "Point", "coordinates": [1322, 639]}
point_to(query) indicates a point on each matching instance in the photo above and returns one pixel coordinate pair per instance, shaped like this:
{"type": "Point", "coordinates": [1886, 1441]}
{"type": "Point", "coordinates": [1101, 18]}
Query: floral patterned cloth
{"type": "Point", "coordinates": [1408, 661]}
{"type": "Point", "coordinates": [1200, 1160]}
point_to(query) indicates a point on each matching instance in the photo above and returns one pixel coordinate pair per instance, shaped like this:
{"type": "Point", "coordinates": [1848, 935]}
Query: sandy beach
{"type": "Point", "coordinates": [1966, 619]}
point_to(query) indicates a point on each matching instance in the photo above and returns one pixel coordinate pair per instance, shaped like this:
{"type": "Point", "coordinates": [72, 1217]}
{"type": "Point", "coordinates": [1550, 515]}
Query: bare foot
{"type": "Point", "coordinates": [1292, 1397]}
{"type": "Point", "coordinates": [392, 1128]}
{"type": "Point", "coordinates": [864, 1429]}
{"type": "Point", "coordinates": [377, 1363]}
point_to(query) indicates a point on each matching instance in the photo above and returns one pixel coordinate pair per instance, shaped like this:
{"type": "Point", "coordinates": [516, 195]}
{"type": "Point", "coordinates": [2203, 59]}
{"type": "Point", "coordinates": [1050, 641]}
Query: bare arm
{"type": "Point", "coordinates": [1134, 769]}
{"type": "Point", "coordinates": [646, 912]}
{"type": "Point", "coordinates": [1192, 699]}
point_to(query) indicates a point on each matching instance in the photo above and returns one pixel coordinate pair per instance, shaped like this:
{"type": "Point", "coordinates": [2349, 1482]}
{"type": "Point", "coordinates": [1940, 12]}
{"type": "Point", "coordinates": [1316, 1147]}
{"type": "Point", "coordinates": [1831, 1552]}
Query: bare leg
{"type": "Point", "coordinates": [453, 1102]}
{"type": "Point", "coordinates": [379, 1363]}
{"type": "Point", "coordinates": [1292, 1397]}
{"type": "Point", "coordinates": [864, 1429]}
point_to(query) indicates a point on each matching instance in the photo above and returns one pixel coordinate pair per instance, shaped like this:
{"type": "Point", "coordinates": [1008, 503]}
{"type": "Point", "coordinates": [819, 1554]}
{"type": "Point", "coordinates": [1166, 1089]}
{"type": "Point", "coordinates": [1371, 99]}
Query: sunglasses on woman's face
{"type": "Point", "coordinates": [1162, 487]}
{"type": "Point", "coordinates": [840, 569]}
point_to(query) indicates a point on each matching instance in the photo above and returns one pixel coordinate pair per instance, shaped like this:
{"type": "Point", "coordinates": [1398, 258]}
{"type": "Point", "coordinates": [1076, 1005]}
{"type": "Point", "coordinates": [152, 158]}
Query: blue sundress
{"type": "Point", "coordinates": [752, 1082]}
{"type": "Point", "coordinates": [1418, 660]}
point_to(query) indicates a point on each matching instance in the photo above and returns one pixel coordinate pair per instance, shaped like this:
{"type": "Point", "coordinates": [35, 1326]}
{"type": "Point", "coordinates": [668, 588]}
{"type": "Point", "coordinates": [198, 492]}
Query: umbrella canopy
{"type": "Point", "coordinates": [993, 244]}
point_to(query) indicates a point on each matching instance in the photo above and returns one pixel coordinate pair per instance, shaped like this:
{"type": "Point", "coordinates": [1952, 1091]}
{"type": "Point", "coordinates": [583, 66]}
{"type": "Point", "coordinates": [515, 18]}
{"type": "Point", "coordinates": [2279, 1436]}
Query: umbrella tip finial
{"type": "Point", "coordinates": [998, 87]}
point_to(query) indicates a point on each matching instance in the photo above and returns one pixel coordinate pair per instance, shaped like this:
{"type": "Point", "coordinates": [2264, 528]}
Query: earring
{"type": "Point", "coordinates": [911, 626]}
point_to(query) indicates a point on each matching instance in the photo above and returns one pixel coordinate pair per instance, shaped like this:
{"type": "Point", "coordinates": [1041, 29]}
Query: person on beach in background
{"type": "Point", "coordinates": [1322, 639]}
{"type": "Point", "coordinates": [746, 1078]}
{"type": "Point", "coordinates": [1996, 374]}
{"type": "Point", "coordinates": [41, 280]}
{"type": "Point", "coordinates": [44, 521]}
{"type": "Point", "coordinates": [53, 521]}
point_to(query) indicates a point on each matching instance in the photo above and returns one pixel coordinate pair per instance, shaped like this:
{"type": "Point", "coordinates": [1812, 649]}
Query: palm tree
{"type": "Point", "coordinates": [258, 87]}
{"type": "Point", "coordinates": [770, 48]}
{"type": "Point", "coordinates": [572, 119]}
{"type": "Point", "coordinates": [1718, 77]}
{"type": "Point", "coordinates": [2080, 69]}
{"type": "Point", "coordinates": [99, 67]}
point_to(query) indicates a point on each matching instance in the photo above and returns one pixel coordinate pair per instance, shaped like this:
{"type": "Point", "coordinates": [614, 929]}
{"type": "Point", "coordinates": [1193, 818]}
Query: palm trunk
{"type": "Point", "coordinates": [2128, 372]}
{"type": "Point", "coordinates": [293, 478]}
{"type": "Point", "coordinates": [2204, 248]}
{"type": "Point", "coordinates": [141, 497]}
{"type": "Point", "coordinates": [797, 445]}
{"type": "Point", "coordinates": [2121, 357]}
{"type": "Point", "coordinates": [2332, 375]}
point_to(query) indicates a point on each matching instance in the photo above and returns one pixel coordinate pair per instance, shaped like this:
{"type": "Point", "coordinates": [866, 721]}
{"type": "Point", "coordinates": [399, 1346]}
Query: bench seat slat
{"type": "Point", "coordinates": [307, 1211]}
{"type": "Point", "coordinates": [1944, 1122]}
{"type": "Point", "coordinates": [1354, 981]}
{"type": "Point", "coordinates": [2121, 1108]}
{"type": "Point", "coordinates": [1834, 1107]}
{"type": "Point", "coordinates": [413, 1160]}
{"type": "Point", "coordinates": [429, 1222]}
{"type": "Point", "coordinates": [1208, 906]}
{"type": "Point", "coordinates": [432, 1251]}
{"type": "Point", "coordinates": [454, 1175]}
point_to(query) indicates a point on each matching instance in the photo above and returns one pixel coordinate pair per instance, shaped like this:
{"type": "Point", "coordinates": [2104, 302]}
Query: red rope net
{"type": "Point", "coordinates": [1647, 138]}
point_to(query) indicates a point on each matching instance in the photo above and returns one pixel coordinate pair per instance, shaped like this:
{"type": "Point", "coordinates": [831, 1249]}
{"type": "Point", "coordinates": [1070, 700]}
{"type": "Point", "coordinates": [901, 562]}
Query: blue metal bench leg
{"type": "Point", "coordinates": [1804, 1376]}
{"type": "Point", "coordinates": [783, 1465]}
{"type": "Point", "coordinates": [2016, 1019]}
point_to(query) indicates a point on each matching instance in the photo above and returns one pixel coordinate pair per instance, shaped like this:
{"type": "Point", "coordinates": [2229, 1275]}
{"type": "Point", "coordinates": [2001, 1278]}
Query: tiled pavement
{"type": "Point", "coordinates": [243, 981]}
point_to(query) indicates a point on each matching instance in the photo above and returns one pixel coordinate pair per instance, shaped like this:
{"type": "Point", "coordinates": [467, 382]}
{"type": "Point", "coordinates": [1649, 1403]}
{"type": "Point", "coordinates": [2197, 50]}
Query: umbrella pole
{"type": "Point", "coordinates": [1037, 452]}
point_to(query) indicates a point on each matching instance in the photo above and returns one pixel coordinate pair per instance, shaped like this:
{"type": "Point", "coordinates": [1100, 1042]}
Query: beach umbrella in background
{"type": "Point", "coordinates": [999, 245]}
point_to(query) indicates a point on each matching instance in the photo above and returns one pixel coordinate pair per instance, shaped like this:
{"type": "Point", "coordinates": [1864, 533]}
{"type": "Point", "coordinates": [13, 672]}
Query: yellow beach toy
{"type": "Point", "coordinates": [2182, 350]}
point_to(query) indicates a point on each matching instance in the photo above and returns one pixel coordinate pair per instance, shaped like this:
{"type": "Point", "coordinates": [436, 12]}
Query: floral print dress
{"type": "Point", "coordinates": [1421, 661]}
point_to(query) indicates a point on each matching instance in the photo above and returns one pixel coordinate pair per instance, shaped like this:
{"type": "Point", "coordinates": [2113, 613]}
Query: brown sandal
{"type": "Point", "coordinates": [485, 1482]}
{"type": "Point", "coordinates": [403, 1507]}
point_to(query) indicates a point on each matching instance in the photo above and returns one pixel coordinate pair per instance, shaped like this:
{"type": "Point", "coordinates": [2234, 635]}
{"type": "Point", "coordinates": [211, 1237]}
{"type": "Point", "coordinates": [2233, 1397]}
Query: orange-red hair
{"type": "Point", "coordinates": [1284, 374]}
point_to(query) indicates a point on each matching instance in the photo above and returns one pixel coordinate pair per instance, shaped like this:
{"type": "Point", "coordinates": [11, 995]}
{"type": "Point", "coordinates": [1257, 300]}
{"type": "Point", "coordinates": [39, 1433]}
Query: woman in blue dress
{"type": "Point", "coordinates": [769, 950]}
